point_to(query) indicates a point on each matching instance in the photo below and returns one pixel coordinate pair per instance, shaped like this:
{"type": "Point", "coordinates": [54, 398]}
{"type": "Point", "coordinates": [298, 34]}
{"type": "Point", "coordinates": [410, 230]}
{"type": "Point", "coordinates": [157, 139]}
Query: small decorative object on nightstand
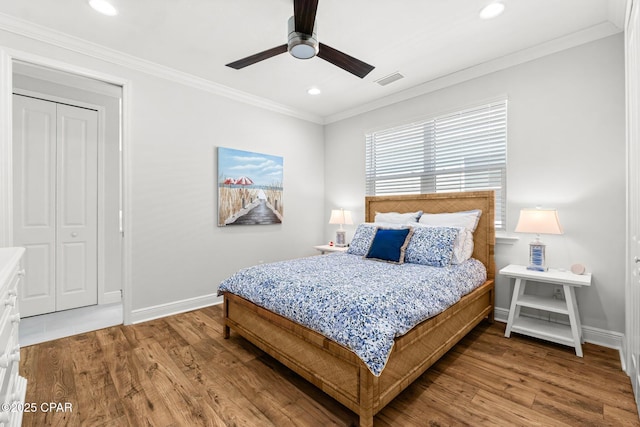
{"type": "Point", "coordinates": [538, 221]}
{"type": "Point", "coordinates": [570, 334]}
{"type": "Point", "coordinates": [340, 216]}
{"type": "Point", "coordinates": [329, 248]}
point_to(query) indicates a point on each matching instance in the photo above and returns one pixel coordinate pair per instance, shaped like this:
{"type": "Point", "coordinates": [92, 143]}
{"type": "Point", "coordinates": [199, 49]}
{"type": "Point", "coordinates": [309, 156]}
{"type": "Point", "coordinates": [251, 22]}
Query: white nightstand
{"type": "Point", "coordinates": [326, 248]}
{"type": "Point", "coordinates": [571, 334]}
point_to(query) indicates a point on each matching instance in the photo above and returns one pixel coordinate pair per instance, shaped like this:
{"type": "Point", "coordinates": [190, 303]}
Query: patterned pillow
{"type": "Point", "coordinates": [362, 239]}
{"type": "Point", "coordinates": [462, 247]}
{"type": "Point", "coordinates": [389, 245]}
{"type": "Point", "coordinates": [431, 246]}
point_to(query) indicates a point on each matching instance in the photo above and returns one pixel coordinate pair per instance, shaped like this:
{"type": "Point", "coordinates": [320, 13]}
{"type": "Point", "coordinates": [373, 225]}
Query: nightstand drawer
{"type": "Point", "coordinates": [9, 324]}
{"type": "Point", "coordinates": [9, 365]}
{"type": "Point", "coordinates": [8, 382]}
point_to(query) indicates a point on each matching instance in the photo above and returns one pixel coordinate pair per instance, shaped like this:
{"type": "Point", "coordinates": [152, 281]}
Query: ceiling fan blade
{"type": "Point", "coordinates": [344, 61]}
{"type": "Point", "coordinates": [304, 12]}
{"type": "Point", "coordinates": [249, 60]}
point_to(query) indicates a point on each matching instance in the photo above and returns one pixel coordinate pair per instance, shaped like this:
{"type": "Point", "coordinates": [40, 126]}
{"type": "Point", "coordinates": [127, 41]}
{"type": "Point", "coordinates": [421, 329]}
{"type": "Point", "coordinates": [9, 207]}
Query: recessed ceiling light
{"type": "Point", "coordinates": [103, 7]}
{"type": "Point", "coordinates": [492, 10]}
{"type": "Point", "coordinates": [314, 91]}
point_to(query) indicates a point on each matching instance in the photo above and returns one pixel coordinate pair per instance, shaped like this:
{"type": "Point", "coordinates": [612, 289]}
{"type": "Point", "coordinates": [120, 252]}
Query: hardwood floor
{"type": "Point", "coordinates": [178, 371]}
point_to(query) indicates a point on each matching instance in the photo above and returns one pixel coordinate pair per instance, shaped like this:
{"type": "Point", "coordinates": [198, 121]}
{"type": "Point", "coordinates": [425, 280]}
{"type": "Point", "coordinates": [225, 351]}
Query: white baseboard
{"type": "Point", "coordinates": [591, 335]}
{"type": "Point", "coordinates": [110, 297]}
{"type": "Point", "coordinates": [168, 309]}
{"type": "Point", "coordinates": [500, 314]}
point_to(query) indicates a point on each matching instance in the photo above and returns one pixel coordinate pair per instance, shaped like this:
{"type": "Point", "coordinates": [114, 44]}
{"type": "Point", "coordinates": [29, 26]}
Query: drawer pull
{"type": "Point", "coordinates": [12, 293]}
{"type": "Point", "coordinates": [6, 360]}
{"type": "Point", "coordinates": [10, 302]}
{"type": "Point", "coordinates": [15, 318]}
{"type": "Point", "coordinates": [21, 273]}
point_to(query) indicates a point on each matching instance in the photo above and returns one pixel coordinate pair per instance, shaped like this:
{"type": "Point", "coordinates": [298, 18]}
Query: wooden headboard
{"type": "Point", "coordinates": [484, 237]}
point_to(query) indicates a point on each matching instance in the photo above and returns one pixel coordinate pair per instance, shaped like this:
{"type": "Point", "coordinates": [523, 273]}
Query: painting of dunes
{"type": "Point", "coordinates": [249, 188]}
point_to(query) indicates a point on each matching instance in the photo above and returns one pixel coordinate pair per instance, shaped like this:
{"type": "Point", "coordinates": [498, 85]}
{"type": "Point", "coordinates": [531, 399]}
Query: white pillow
{"type": "Point", "coordinates": [467, 248]}
{"type": "Point", "coordinates": [398, 225]}
{"type": "Point", "coordinates": [466, 219]}
{"type": "Point", "coordinates": [398, 218]}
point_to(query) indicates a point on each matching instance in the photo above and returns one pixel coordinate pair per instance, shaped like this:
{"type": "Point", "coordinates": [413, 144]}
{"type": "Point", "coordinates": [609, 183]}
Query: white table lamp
{"type": "Point", "coordinates": [538, 221]}
{"type": "Point", "coordinates": [340, 216]}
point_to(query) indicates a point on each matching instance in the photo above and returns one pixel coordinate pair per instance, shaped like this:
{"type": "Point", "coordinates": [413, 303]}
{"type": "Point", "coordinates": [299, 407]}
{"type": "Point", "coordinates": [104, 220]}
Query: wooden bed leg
{"type": "Point", "coordinates": [226, 330]}
{"type": "Point", "coordinates": [366, 396]}
{"type": "Point", "coordinates": [366, 421]}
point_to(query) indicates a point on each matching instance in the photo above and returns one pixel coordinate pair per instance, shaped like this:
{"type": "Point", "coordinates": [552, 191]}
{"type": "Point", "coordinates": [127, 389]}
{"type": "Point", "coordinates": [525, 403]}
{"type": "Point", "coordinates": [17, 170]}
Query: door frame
{"type": "Point", "coordinates": [7, 56]}
{"type": "Point", "coordinates": [632, 292]}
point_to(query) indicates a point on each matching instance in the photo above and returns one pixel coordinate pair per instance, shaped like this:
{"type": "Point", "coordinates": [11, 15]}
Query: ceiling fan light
{"type": "Point", "coordinates": [492, 10]}
{"type": "Point", "coordinates": [300, 45]}
{"type": "Point", "coordinates": [302, 51]}
{"type": "Point", "coordinates": [103, 7]}
{"type": "Point", "coordinates": [314, 91]}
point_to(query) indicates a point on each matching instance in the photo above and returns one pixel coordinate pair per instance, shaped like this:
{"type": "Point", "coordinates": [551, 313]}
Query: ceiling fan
{"type": "Point", "coordinates": [303, 43]}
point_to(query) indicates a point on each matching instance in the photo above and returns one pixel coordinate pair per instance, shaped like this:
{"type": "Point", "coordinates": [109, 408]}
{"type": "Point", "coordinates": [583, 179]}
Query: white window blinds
{"type": "Point", "coordinates": [461, 151]}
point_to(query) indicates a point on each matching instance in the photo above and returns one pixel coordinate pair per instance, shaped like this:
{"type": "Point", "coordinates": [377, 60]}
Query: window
{"type": "Point", "coordinates": [461, 151]}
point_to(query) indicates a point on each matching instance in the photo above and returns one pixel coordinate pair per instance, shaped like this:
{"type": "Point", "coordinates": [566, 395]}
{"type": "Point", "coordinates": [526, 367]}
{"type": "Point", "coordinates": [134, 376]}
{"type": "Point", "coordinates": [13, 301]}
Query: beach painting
{"type": "Point", "coordinates": [249, 188]}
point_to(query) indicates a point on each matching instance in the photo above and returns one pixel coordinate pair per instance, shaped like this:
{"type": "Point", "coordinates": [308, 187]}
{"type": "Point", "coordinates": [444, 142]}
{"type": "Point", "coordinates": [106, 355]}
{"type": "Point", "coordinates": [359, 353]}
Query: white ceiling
{"type": "Point", "coordinates": [422, 39]}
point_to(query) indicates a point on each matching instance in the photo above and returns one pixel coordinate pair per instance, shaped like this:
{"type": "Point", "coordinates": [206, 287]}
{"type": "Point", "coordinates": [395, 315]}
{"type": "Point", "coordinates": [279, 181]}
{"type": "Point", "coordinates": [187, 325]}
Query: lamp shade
{"type": "Point", "coordinates": [340, 216]}
{"type": "Point", "coordinates": [539, 221]}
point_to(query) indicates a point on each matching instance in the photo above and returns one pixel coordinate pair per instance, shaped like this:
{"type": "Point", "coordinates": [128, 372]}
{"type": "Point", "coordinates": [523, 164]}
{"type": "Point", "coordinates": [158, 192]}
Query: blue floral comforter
{"type": "Point", "coordinates": [361, 304]}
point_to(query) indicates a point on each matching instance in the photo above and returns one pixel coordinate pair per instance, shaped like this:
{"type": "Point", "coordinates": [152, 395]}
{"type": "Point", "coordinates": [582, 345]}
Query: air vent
{"type": "Point", "coordinates": [390, 79]}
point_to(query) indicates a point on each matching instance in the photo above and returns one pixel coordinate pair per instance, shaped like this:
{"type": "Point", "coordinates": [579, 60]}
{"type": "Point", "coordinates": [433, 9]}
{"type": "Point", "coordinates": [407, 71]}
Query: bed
{"type": "Point", "coordinates": [337, 370]}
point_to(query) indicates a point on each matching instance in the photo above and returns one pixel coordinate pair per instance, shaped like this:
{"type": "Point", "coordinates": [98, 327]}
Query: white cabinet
{"type": "Point", "coordinates": [13, 387]}
{"type": "Point", "coordinates": [570, 334]}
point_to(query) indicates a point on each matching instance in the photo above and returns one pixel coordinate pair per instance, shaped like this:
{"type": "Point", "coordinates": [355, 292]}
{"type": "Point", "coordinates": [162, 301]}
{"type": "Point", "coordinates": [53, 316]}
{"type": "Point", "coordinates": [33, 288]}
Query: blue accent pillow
{"type": "Point", "coordinates": [389, 245]}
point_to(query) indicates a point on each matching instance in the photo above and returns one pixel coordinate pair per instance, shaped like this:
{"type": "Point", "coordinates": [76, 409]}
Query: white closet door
{"type": "Point", "coordinates": [77, 213]}
{"type": "Point", "coordinates": [34, 208]}
{"type": "Point", "coordinates": [55, 160]}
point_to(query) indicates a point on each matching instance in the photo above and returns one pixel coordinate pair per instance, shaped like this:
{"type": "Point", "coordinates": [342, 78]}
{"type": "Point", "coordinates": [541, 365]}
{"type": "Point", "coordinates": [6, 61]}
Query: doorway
{"type": "Point", "coordinates": [67, 189]}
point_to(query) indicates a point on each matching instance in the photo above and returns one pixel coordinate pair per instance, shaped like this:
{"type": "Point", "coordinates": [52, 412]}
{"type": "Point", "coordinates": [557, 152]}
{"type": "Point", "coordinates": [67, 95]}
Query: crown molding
{"type": "Point", "coordinates": [83, 47]}
{"type": "Point", "coordinates": [578, 38]}
{"type": "Point", "coordinates": [56, 38]}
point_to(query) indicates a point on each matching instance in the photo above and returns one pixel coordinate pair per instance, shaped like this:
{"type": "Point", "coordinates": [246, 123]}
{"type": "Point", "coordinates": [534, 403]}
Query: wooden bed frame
{"type": "Point", "coordinates": [338, 371]}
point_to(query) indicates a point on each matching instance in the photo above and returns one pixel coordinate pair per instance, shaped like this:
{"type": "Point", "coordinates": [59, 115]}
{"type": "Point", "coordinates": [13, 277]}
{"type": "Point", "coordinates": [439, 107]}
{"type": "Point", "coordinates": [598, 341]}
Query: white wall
{"type": "Point", "coordinates": [566, 150]}
{"type": "Point", "coordinates": [177, 251]}
{"type": "Point", "coordinates": [177, 246]}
